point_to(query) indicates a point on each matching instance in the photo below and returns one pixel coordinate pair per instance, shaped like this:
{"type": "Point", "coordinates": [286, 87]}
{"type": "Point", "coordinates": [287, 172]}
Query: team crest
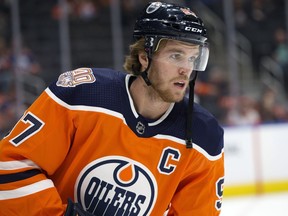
{"type": "Point", "coordinates": [76, 77]}
{"type": "Point", "coordinates": [188, 12]}
{"type": "Point", "coordinates": [153, 7]}
{"type": "Point", "coordinates": [116, 185]}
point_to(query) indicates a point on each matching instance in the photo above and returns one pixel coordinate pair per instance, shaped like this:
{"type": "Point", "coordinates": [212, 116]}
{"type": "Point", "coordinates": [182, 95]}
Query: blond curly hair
{"type": "Point", "coordinates": [132, 64]}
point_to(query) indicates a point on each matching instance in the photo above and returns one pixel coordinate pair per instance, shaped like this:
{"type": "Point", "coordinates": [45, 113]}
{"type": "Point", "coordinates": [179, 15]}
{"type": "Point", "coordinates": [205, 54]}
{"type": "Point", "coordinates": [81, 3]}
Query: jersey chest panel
{"type": "Point", "coordinates": [114, 167]}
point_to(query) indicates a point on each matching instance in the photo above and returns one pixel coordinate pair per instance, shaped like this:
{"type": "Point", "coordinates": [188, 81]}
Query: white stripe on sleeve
{"type": "Point", "coordinates": [14, 165]}
{"type": "Point", "coordinates": [26, 190]}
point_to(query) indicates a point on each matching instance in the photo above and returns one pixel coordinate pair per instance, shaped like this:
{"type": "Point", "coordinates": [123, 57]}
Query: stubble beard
{"type": "Point", "coordinates": [167, 95]}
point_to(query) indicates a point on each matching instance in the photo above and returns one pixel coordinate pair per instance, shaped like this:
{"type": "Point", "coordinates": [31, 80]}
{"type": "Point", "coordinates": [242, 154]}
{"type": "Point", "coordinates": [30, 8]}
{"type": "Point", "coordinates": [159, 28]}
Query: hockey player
{"type": "Point", "coordinates": [115, 143]}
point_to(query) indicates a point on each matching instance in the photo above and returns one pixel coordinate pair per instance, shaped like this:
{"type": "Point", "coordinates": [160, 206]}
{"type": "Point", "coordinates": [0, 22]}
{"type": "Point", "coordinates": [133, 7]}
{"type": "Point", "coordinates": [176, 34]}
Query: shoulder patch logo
{"type": "Point", "coordinates": [76, 77]}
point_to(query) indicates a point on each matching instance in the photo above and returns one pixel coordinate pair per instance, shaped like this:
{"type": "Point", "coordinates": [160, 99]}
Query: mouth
{"type": "Point", "coordinates": [180, 84]}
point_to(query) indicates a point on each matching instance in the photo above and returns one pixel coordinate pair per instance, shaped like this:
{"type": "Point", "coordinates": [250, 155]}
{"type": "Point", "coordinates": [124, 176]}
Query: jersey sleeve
{"type": "Point", "coordinates": [201, 188]}
{"type": "Point", "coordinates": [29, 154]}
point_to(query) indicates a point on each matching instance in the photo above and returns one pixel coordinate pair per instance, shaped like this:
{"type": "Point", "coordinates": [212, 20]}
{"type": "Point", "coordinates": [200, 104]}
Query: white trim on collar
{"type": "Point", "coordinates": [161, 119]}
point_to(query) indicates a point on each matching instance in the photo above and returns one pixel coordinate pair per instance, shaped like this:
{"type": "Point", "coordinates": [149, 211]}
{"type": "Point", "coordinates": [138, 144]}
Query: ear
{"type": "Point", "coordinates": [143, 59]}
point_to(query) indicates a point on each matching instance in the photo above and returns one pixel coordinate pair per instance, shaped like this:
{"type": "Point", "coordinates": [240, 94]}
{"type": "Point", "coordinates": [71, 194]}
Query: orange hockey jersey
{"type": "Point", "coordinates": [83, 139]}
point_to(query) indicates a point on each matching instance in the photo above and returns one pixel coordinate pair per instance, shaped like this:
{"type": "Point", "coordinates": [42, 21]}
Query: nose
{"type": "Point", "coordinates": [185, 68]}
{"type": "Point", "coordinates": [183, 71]}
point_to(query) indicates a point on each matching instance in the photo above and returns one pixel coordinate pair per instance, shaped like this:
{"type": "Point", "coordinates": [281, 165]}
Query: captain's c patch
{"type": "Point", "coordinates": [76, 77]}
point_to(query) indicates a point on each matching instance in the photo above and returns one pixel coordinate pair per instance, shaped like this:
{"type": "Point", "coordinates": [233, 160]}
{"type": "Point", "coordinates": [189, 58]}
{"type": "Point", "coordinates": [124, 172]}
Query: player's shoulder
{"type": "Point", "coordinates": [80, 86]}
{"type": "Point", "coordinates": [82, 76]}
{"type": "Point", "coordinates": [207, 130]}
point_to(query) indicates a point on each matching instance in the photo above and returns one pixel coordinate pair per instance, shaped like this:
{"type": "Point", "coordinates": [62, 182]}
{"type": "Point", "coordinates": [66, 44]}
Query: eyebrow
{"type": "Point", "coordinates": [173, 49]}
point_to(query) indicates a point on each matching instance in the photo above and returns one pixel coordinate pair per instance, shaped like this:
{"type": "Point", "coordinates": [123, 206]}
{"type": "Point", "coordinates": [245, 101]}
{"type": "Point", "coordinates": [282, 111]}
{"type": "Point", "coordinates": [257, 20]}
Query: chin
{"type": "Point", "coordinates": [170, 97]}
{"type": "Point", "coordinates": [174, 99]}
{"type": "Point", "coordinates": [179, 97]}
{"type": "Point", "coordinates": [179, 100]}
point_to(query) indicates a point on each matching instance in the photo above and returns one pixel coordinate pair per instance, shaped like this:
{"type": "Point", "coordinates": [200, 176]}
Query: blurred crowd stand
{"type": "Point", "coordinates": [24, 69]}
{"type": "Point", "coordinates": [263, 23]}
{"type": "Point", "coordinates": [213, 92]}
{"type": "Point", "coordinates": [280, 53]}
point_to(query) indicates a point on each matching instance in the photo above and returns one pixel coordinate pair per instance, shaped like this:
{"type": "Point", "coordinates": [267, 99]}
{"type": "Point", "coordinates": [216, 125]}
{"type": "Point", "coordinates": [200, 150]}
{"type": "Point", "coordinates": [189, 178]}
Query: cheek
{"type": "Point", "coordinates": [159, 75]}
{"type": "Point", "coordinates": [164, 70]}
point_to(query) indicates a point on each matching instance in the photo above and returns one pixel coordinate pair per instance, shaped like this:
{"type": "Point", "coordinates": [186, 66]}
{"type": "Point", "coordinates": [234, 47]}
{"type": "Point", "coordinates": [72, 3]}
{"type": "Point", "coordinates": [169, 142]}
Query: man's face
{"type": "Point", "coordinates": [171, 69]}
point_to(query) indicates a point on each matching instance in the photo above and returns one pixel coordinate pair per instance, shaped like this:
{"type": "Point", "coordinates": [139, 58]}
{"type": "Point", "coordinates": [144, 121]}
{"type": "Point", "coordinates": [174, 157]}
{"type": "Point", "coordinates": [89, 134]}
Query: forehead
{"type": "Point", "coordinates": [174, 45]}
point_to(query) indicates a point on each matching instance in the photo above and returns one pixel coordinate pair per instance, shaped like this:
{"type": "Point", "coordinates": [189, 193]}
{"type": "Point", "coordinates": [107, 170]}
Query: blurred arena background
{"type": "Point", "coordinates": [245, 85]}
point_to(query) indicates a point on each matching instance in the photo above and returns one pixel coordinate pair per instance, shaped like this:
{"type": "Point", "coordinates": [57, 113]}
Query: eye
{"type": "Point", "coordinates": [175, 56]}
{"type": "Point", "coordinates": [192, 59]}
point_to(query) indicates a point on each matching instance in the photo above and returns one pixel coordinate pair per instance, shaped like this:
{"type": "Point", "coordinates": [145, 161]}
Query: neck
{"type": "Point", "coordinates": [146, 100]}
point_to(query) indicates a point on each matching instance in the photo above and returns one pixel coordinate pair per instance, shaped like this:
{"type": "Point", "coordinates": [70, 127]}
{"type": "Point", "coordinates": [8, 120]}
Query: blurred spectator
{"type": "Point", "coordinates": [244, 112]}
{"type": "Point", "coordinates": [258, 10]}
{"type": "Point", "coordinates": [27, 62]}
{"type": "Point", "coordinates": [87, 10]}
{"type": "Point", "coordinates": [6, 75]}
{"type": "Point", "coordinates": [57, 12]}
{"type": "Point", "coordinates": [84, 9]}
{"type": "Point", "coordinates": [280, 53]}
{"type": "Point", "coordinates": [272, 110]}
{"type": "Point", "coordinates": [259, 32]}
{"type": "Point", "coordinates": [7, 113]}
{"type": "Point", "coordinates": [213, 90]}
{"type": "Point", "coordinates": [266, 105]}
{"type": "Point", "coordinates": [280, 113]}
{"type": "Point", "coordinates": [241, 17]}
{"type": "Point", "coordinates": [78, 9]}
